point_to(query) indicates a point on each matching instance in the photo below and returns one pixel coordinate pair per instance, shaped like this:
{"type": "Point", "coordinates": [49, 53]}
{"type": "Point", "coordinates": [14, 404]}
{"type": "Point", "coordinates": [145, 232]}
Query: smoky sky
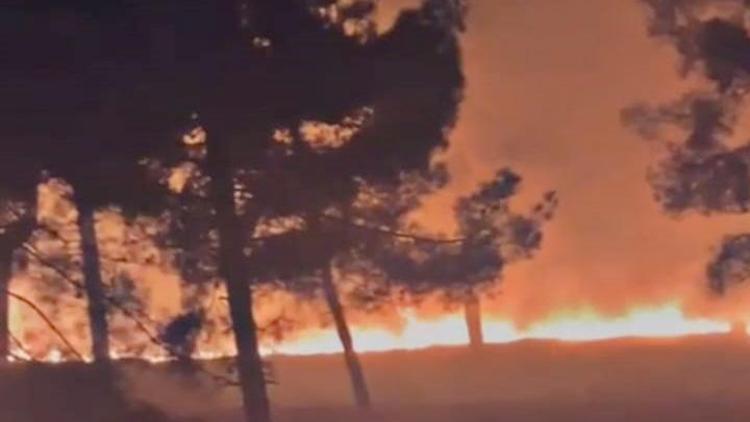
{"type": "Point", "coordinates": [546, 82]}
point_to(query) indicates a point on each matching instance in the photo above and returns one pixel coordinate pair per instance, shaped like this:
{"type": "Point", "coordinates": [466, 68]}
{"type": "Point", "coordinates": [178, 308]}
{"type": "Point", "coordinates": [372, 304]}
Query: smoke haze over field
{"type": "Point", "coordinates": [546, 83]}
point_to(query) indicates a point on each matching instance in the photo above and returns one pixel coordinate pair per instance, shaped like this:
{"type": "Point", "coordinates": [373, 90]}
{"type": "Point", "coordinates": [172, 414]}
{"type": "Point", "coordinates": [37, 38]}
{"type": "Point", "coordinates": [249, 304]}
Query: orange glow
{"type": "Point", "coordinates": [587, 325]}
{"type": "Point", "coordinates": [450, 330]}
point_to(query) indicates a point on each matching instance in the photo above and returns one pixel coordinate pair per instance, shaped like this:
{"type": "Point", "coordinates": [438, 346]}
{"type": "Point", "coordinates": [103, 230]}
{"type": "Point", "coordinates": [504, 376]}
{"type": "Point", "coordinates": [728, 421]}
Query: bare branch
{"type": "Point", "coordinates": [394, 233]}
{"type": "Point", "coordinates": [49, 322]}
{"type": "Point", "coordinates": [140, 325]}
{"type": "Point", "coordinates": [49, 264]}
{"type": "Point", "coordinates": [77, 284]}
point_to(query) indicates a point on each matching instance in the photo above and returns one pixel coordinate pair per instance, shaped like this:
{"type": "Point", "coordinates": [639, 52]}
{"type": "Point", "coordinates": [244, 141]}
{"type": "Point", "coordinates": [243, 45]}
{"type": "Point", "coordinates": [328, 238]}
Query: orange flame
{"type": "Point", "coordinates": [450, 330]}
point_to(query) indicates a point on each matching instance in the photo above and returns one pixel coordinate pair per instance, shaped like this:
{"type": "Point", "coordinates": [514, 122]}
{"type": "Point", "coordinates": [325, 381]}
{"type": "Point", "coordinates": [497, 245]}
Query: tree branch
{"type": "Point", "coordinates": [75, 283]}
{"type": "Point", "coordinates": [394, 233]}
{"type": "Point", "coordinates": [140, 325]}
{"type": "Point", "coordinates": [78, 285]}
{"type": "Point", "coordinates": [49, 264]}
{"type": "Point", "coordinates": [49, 322]}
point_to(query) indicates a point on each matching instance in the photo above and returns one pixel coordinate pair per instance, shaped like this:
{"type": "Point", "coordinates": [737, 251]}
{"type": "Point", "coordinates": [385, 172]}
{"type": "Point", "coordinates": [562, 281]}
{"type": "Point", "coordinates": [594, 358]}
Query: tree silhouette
{"type": "Point", "coordinates": [307, 252]}
{"type": "Point", "coordinates": [79, 112]}
{"type": "Point", "coordinates": [390, 98]}
{"type": "Point", "coordinates": [490, 235]}
{"type": "Point", "coordinates": [700, 169]}
{"type": "Point", "coordinates": [243, 73]}
{"type": "Point", "coordinates": [366, 245]}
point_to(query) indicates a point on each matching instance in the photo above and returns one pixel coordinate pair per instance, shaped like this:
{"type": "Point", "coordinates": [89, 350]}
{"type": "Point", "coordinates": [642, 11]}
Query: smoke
{"type": "Point", "coordinates": [546, 84]}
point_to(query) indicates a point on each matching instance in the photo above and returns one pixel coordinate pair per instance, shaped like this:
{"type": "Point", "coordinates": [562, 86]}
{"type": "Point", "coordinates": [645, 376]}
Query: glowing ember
{"type": "Point", "coordinates": [54, 356]}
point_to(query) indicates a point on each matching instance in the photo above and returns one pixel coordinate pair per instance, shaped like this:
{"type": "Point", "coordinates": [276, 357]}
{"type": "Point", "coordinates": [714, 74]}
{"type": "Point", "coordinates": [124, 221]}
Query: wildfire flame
{"type": "Point", "coordinates": [449, 329]}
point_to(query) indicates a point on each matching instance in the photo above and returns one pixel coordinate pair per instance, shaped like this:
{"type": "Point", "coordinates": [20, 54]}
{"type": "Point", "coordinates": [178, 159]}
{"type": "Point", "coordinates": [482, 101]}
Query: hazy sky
{"type": "Point", "coordinates": [546, 82]}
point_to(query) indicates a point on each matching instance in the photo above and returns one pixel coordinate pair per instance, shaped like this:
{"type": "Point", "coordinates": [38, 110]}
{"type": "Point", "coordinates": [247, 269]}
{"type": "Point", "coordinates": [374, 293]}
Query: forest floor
{"type": "Point", "coordinates": [689, 379]}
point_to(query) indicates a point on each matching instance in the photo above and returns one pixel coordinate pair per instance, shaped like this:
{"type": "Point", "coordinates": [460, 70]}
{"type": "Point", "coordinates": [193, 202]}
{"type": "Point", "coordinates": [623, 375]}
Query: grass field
{"type": "Point", "coordinates": [687, 379]}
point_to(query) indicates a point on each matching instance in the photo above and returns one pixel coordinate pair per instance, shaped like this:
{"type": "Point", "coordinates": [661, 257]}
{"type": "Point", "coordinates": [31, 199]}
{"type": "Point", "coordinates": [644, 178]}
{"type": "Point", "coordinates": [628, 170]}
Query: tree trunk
{"type": "Point", "coordinates": [6, 264]}
{"type": "Point", "coordinates": [93, 285]}
{"type": "Point", "coordinates": [473, 316]}
{"type": "Point", "coordinates": [359, 385]}
{"type": "Point", "coordinates": [233, 267]}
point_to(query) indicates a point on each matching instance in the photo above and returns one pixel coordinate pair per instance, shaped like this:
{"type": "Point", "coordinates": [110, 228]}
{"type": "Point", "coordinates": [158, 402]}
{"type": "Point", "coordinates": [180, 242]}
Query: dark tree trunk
{"type": "Point", "coordinates": [93, 285]}
{"type": "Point", "coordinates": [6, 264]}
{"type": "Point", "coordinates": [473, 315]}
{"type": "Point", "coordinates": [233, 267]}
{"type": "Point", "coordinates": [359, 384]}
